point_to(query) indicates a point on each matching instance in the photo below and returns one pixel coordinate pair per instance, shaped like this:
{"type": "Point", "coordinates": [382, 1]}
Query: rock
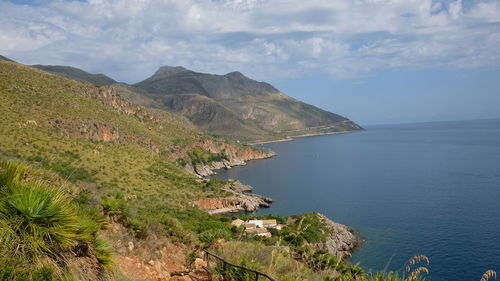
{"type": "Point", "coordinates": [130, 246]}
{"type": "Point", "coordinates": [341, 241]}
{"type": "Point", "coordinates": [180, 278]}
{"type": "Point", "coordinates": [199, 264]}
{"type": "Point", "coordinates": [239, 187]}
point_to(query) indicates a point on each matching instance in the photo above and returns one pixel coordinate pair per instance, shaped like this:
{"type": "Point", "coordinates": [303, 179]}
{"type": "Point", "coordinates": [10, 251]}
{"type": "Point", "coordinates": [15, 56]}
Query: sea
{"type": "Point", "coordinates": [410, 189]}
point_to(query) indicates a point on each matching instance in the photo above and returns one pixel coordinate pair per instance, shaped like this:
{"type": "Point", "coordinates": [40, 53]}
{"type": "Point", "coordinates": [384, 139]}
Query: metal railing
{"type": "Point", "coordinates": [225, 264]}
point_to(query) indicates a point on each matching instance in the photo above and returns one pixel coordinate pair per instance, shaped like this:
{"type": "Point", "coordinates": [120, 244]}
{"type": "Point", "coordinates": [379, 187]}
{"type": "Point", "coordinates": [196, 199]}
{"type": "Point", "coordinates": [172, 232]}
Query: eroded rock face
{"type": "Point", "coordinates": [91, 130]}
{"type": "Point", "coordinates": [98, 131]}
{"type": "Point", "coordinates": [109, 96]}
{"type": "Point", "coordinates": [240, 201]}
{"type": "Point", "coordinates": [341, 241]}
{"type": "Point", "coordinates": [155, 258]}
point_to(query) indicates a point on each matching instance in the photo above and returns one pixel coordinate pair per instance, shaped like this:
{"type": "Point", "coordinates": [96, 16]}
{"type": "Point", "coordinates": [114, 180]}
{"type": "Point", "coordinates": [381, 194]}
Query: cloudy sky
{"type": "Point", "coordinates": [375, 61]}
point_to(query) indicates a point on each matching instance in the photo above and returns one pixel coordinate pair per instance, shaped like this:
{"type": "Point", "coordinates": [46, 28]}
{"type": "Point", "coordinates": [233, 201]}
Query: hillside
{"type": "Point", "coordinates": [255, 104]}
{"type": "Point", "coordinates": [77, 74]}
{"type": "Point", "coordinates": [137, 165]}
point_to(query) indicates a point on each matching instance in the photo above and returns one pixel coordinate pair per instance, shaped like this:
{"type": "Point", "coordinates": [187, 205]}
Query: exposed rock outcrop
{"type": "Point", "coordinates": [91, 130]}
{"type": "Point", "coordinates": [240, 201]}
{"type": "Point", "coordinates": [155, 258]}
{"type": "Point", "coordinates": [341, 241]}
{"type": "Point", "coordinates": [98, 131]}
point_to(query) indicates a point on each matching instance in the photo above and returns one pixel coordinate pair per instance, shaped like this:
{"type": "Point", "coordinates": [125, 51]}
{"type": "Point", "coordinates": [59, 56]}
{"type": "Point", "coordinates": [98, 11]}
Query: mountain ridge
{"type": "Point", "coordinates": [98, 79]}
{"type": "Point", "coordinates": [259, 103]}
{"type": "Point", "coordinates": [5, 58]}
{"type": "Point", "coordinates": [231, 105]}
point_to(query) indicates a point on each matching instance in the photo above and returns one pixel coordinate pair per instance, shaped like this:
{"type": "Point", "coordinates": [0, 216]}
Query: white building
{"type": "Point", "coordinates": [258, 223]}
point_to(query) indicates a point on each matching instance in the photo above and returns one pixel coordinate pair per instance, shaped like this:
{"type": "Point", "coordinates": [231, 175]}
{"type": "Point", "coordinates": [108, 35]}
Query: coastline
{"type": "Point", "coordinates": [342, 240]}
{"type": "Point", "coordinates": [291, 138]}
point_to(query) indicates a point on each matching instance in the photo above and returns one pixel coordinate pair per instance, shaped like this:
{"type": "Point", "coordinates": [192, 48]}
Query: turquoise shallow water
{"type": "Point", "coordinates": [430, 189]}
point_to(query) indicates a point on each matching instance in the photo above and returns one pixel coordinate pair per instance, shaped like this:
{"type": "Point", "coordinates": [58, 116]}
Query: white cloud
{"type": "Point", "coordinates": [129, 39]}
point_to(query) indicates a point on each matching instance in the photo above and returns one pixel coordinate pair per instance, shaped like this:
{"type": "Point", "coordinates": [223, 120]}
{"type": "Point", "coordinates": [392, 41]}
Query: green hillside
{"type": "Point", "coordinates": [95, 143]}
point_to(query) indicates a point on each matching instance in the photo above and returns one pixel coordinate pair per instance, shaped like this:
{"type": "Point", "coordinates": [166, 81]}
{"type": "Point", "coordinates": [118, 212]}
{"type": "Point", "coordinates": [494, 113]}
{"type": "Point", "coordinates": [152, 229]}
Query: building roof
{"type": "Point", "coordinates": [269, 222]}
{"type": "Point", "coordinates": [250, 225]}
{"type": "Point", "coordinates": [256, 230]}
{"type": "Point", "coordinates": [237, 222]}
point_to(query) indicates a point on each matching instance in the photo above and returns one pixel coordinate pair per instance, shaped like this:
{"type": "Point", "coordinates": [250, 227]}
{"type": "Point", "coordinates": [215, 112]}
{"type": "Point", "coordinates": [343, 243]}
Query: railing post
{"type": "Point", "coordinates": [225, 264]}
{"type": "Point", "coordinates": [207, 258]}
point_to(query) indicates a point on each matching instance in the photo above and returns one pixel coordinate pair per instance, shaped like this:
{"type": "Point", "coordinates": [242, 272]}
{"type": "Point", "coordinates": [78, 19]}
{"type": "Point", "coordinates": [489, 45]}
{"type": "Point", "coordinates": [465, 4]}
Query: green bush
{"type": "Point", "coordinates": [40, 221]}
{"type": "Point", "coordinates": [40, 216]}
{"type": "Point", "coordinates": [13, 273]}
{"type": "Point", "coordinates": [209, 237]}
{"type": "Point", "coordinates": [103, 251]}
{"type": "Point", "coordinates": [199, 155]}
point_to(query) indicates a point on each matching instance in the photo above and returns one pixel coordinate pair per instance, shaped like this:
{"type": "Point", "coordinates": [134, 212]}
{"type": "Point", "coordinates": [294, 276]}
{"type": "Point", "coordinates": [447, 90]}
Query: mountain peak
{"type": "Point", "coordinates": [169, 70]}
{"type": "Point", "coordinates": [235, 74]}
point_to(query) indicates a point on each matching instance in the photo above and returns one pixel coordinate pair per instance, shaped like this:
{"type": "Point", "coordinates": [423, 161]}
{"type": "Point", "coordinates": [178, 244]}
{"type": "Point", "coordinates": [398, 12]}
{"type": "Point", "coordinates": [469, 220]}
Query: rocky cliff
{"type": "Point", "coordinates": [240, 200]}
{"type": "Point", "coordinates": [341, 240]}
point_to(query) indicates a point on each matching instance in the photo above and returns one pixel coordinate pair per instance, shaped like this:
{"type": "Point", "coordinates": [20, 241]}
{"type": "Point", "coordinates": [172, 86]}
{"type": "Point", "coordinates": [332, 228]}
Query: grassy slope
{"type": "Point", "coordinates": [124, 171]}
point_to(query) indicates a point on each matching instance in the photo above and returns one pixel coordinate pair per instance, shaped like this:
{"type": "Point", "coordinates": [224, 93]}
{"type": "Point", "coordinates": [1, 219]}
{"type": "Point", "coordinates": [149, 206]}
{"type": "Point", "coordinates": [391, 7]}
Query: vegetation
{"type": "Point", "coordinates": [40, 221]}
{"type": "Point", "coordinates": [53, 213]}
{"type": "Point", "coordinates": [201, 156]}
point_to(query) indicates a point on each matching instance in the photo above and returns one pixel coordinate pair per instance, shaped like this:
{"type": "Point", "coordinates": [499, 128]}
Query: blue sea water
{"type": "Point", "coordinates": [430, 189]}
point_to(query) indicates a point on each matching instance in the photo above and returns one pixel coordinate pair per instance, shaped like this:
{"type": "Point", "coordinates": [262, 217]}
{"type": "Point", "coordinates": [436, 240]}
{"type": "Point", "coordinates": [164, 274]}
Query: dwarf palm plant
{"type": "Point", "coordinates": [11, 173]}
{"type": "Point", "coordinates": [36, 218]}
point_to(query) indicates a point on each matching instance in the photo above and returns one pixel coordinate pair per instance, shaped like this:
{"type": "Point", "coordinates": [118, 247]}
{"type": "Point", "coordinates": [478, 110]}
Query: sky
{"type": "Point", "coordinates": [374, 61]}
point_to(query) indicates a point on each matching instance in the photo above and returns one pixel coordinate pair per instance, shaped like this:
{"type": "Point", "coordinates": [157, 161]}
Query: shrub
{"type": "Point", "coordinates": [40, 216]}
{"type": "Point", "coordinates": [11, 173]}
{"type": "Point", "coordinates": [209, 237]}
{"type": "Point", "coordinates": [13, 273]}
{"type": "Point", "coordinates": [103, 251]}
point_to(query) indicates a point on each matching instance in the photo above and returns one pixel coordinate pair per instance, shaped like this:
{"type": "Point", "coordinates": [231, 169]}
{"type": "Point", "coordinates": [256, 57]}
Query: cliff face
{"type": "Point", "coordinates": [341, 240]}
{"type": "Point", "coordinates": [240, 200]}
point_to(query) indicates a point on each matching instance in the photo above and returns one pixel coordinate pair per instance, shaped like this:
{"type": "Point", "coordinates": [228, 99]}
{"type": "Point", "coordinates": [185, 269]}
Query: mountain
{"type": "Point", "coordinates": [231, 106]}
{"type": "Point", "coordinates": [4, 58]}
{"type": "Point", "coordinates": [77, 74]}
{"type": "Point", "coordinates": [257, 110]}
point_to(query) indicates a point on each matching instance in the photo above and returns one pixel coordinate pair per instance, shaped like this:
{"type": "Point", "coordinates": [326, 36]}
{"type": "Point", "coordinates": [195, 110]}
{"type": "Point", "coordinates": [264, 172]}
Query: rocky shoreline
{"type": "Point", "coordinates": [342, 239]}
{"type": "Point", "coordinates": [241, 200]}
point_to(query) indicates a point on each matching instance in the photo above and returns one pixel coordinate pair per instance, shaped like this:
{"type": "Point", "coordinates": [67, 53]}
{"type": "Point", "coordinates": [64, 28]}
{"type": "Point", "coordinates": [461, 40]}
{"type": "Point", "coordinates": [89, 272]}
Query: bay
{"type": "Point", "coordinates": [430, 188]}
